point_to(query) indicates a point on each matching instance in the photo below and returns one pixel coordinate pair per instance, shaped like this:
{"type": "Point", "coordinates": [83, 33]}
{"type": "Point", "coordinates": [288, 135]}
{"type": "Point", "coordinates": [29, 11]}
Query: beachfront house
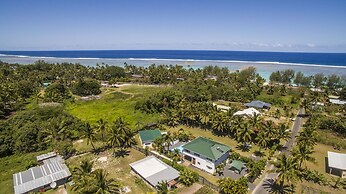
{"type": "Point", "coordinates": [337, 164]}
{"type": "Point", "coordinates": [249, 112]}
{"type": "Point", "coordinates": [258, 104]}
{"type": "Point", "coordinates": [147, 137]}
{"type": "Point", "coordinates": [205, 154]}
{"type": "Point", "coordinates": [337, 101]}
{"type": "Point", "coordinates": [154, 171]}
{"type": "Point", "coordinates": [50, 174]}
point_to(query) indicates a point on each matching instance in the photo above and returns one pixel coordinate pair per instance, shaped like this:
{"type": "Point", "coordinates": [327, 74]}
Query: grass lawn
{"type": "Point", "coordinates": [14, 164]}
{"type": "Point", "coordinates": [117, 168]}
{"type": "Point", "coordinates": [222, 139]}
{"type": "Point", "coordinates": [116, 102]}
{"type": "Point", "coordinates": [308, 187]}
{"type": "Point", "coordinates": [320, 155]}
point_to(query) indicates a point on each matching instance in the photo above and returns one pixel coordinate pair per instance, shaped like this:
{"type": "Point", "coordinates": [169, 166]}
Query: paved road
{"type": "Point", "coordinates": [264, 186]}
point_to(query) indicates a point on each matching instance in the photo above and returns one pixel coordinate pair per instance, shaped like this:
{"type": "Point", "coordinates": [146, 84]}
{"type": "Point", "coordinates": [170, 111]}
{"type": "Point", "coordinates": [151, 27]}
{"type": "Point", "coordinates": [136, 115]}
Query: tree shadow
{"type": "Point", "coordinates": [272, 186]}
{"type": "Point", "coordinates": [121, 153]}
{"type": "Point", "coordinates": [244, 147]}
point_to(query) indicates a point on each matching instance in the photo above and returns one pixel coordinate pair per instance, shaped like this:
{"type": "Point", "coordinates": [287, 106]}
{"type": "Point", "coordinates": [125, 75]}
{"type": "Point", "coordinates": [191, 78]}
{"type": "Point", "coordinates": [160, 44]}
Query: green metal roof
{"type": "Point", "coordinates": [238, 165]}
{"type": "Point", "coordinates": [149, 135]}
{"type": "Point", "coordinates": [207, 148]}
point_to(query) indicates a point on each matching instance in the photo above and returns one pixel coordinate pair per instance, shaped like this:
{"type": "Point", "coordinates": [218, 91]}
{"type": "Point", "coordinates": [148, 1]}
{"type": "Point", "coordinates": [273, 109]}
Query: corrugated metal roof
{"type": "Point", "coordinates": [258, 104]}
{"type": "Point", "coordinates": [337, 160]}
{"type": "Point", "coordinates": [154, 170]}
{"type": "Point", "coordinates": [46, 156]}
{"type": "Point", "coordinates": [52, 170]}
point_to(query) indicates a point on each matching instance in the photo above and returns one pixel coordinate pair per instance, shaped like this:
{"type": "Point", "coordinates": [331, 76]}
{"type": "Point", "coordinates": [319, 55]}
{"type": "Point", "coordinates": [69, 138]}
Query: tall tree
{"type": "Point", "coordinates": [89, 133]}
{"type": "Point", "coordinates": [286, 167]}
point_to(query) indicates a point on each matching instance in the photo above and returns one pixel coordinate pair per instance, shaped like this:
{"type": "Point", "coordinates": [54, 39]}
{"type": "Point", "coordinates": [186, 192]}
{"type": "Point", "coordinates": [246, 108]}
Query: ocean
{"type": "Point", "coordinates": [265, 62]}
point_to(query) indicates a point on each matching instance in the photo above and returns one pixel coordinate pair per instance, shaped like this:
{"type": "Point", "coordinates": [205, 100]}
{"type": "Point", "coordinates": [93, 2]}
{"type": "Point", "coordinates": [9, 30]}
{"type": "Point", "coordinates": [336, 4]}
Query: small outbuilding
{"type": "Point", "coordinates": [147, 137]}
{"type": "Point", "coordinates": [237, 165]}
{"type": "Point", "coordinates": [154, 171]}
{"type": "Point", "coordinates": [337, 164]}
{"type": "Point", "coordinates": [258, 104]}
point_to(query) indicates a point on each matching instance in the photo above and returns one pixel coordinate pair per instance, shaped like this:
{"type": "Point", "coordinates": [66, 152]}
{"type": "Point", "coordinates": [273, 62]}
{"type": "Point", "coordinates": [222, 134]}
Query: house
{"type": "Point", "coordinates": [337, 101]}
{"type": "Point", "coordinates": [249, 112]}
{"type": "Point", "coordinates": [258, 104]}
{"type": "Point", "coordinates": [154, 171]}
{"type": "Point", "coordinates": [51, 173]}
{"type": "Point", "coordinates": [136, 76]}
{"type": "Point", "coordinates": [205, 154]}
{"type": "Point", "coordinates": [147, 137]}
{"type": "Point", "coordinates": [337, 164]}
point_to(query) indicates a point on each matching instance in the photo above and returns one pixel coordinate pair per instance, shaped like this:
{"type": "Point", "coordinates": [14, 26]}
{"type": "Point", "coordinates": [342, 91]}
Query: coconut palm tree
{"type": "Point", "coordinates": [102, 128]}
{"type": "Point", "coordinates": [103, 185]}
{"type": "Point", "coordinates": [244, 134]}
{"type": "Point", "coordinates": [303, 153]}
{"type": "Point", "coordinates": [84, 168]}
{"type": "Point", "coordinates": [188, 177]}
{"type": "Point", "coordinates": [230, 186]}
{"type": "Point", "coordinates": [162, 188]}
{"type": "Point", "coordinates": [89, 133]}
{"type": "Point", "coordinates": [286, 167]}
{"type": "Point", "coordinates": [120, 135]}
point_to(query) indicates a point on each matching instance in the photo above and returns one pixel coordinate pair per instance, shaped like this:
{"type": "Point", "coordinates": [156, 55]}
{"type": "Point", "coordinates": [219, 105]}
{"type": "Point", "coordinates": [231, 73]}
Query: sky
{"type": "Point", "coordinates": [266, 25]}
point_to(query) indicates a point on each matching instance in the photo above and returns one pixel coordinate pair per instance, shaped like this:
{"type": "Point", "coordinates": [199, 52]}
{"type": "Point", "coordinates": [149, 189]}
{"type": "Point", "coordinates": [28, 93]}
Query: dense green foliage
{"type": "Point", "coordinates": [37, 129]}
{"type": "Point", "coordinates": [87, 87]}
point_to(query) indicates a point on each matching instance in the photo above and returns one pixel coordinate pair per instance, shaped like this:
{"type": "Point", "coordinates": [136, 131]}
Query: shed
{"type": "Point", "coordinates": [337, 164]}
{"type": "Point", "coordinates": [154, 171]}
{"type": "Point", "coordinates": [238, 165]}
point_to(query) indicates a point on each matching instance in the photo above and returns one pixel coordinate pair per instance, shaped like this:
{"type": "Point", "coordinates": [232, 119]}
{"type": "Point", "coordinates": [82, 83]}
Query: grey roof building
{"type": "Point", "coordinates": [153, 171]}
{"type": "Point", "coordinates": [258, 104]}
{"type": "Point", "coordinates": [52, 173]}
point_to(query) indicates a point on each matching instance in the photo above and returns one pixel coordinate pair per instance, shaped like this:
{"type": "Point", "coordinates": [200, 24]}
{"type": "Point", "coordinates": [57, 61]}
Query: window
{"type": "Point", "coordinates": [209, 159]}
{"type": "Point", "coordinates": [196, 154]}
{"type": "Point", "coordinates": [187, 151]}
{"type": "Point", "coordinates": [209, 167]}
{"type": "Point", "coordinates": [198, 163]}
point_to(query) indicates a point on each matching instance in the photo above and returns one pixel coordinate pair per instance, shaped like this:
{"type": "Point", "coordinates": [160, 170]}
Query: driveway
{"type": "Point", "coordinates": [264, 186]}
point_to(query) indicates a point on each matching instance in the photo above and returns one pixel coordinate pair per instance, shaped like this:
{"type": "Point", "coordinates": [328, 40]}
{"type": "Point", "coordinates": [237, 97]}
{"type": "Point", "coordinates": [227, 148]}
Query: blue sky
{"type": "Point", "coordinates": [266, 25]}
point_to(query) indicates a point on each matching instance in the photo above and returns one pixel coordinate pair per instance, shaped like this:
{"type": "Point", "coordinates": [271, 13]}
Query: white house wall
{"type": "Point", "coordinates": [202, 164]}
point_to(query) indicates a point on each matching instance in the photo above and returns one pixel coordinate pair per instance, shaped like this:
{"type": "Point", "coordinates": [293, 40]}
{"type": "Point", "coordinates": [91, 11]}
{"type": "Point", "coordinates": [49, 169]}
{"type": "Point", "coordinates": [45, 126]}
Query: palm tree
{"type": "Point", "coordinates": [244, 133]}
{"type": "Point", "coordinates": [187, 177]}
{"type": "Point", "coordinates": [162, 188]}
{"type": "Point", "coordinates": [230, 186]}
{"type": "Point", "coordinates": [303, 153]}
{"type": "Point", "coordinates": [101, 128]}
{"type": "Point", "coordinates": [84, 168]}
{"type": "Point", "coordinates": [286, 167]}
{"type": "Point", "coordinates": [103, 185]}
{"type": "Point", "coordinates": [89, 133]}
{"type": "Point", "coordinates": [120, 135]}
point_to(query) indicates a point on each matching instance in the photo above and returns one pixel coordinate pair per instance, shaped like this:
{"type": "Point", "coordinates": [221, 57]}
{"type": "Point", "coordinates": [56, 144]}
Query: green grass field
{"type": "Point", "coordinates": [117, 102]}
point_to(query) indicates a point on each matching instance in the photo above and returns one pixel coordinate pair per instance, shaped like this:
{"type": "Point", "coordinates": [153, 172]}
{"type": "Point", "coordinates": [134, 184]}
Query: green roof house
{"type": "Point", "coordinates": [147, 137]}
{"type": "Point", "coordinates": [205, 154]}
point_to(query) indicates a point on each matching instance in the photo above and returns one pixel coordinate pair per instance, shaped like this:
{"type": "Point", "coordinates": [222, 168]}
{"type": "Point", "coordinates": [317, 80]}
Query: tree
{"type": "Point", "coordinates": [102, 185]}
{"type": "Point", "coordinates": [102, 128]}
{"type": "Point", "coordinates": [255, 169]}
{"type": "Point", "coordinates": [85, 168]}
{"type": "Point", "coordinates": [87, 87]}
{"type": "Point", "coordinates": [188, 177]}
{"type": "Point", "coordinates": [319, 80]}
{"type": "Point", "coordinates": [120, 135]}
{"type": "Point", "coordinates": [302, 153]}
{"type": "Point", "coordinates": [230, 186]}
{"type": "Point", "coordinates": [57, 92]}
{"type": "Point", "coordinates": [162, 188]}
{"type": "Point", "coordinates": [286, 167]}
{"type": "Point", "coordinates": [89, 134]}
{"type": "Point", "coordinates": [244, 134]}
